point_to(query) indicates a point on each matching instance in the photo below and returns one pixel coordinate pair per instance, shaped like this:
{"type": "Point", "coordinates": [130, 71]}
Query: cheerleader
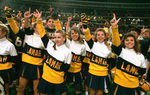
{"type": "Point", "coordinates": [78, 49]}
{"type": "Point", "coordinates": [85, 65]}
{"type": "Point", "coordinates": [130, 64]}
{"type": "Point", "coordinates": [57, 60]}
{"type": "Point", "coordinates": [8, 55]}
{"type": "Point", "coordinates": [32, 56]}
{"type": "Point", "coordinates": [97, 78]}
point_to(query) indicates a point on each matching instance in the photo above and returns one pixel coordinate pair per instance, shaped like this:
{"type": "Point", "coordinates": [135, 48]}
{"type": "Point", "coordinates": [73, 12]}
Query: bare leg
{"type": "Point", "coordinates": [35, 85]}
{"type": "Point", "coordinates": [7, 88]}
{"type": "Point", "coordinates": [92, 91]}
{"type": "Point", "coordinates": [99, 92]}
{"type": "Point", "coordinates": [22, 85]}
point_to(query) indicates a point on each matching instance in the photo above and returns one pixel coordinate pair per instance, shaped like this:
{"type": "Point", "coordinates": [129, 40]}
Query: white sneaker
{"type": "Point", "coordinates": [142, 93]}
{"type": "Point", "coordinates": [106, 90]}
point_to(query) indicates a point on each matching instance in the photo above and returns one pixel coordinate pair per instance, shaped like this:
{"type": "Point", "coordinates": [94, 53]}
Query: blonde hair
{"type": "Point", "coordinates": [63, 34]}
{"type": "Point", "coordinates": [4, 29]}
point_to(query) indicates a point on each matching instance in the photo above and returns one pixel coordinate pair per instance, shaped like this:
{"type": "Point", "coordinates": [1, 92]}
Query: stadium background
{"type": "Point", "coordinates": [132, 12]}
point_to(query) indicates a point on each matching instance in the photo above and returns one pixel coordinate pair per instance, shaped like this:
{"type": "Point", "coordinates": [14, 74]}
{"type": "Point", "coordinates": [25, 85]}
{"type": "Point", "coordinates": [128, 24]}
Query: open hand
{"type": "Point", "coordinates": [27, 14]}
{"type": "Point", "coordinates": [37, 14]}
{"type": "Point", "coordinates": [114, 22]}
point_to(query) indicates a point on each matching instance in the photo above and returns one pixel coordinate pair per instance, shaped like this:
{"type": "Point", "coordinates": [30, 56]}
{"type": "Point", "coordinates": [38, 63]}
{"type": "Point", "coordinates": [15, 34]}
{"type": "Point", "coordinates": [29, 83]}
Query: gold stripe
{"type": "Point", "coordinates": [52, 76]}
{"type": "Point", "coordinates": [5, 66]}
{"type": "Point", "coordinates": [126, 80]}
{"type": "Point", "coordinates": [81, 75]}
{"type": "Point", "coordinates": [32, 60]}
{"type": "Point", "coordinates": [23, 72]}
{"type": "Point", "coordinates": [116, 90]}
{"type": "Point", "coordinates": [135, 92]}
{"type": "Point", "coordinates": [38, 72]}
{"type": "Point", "coordinates": [65, 77]}
{"type": "Point", "coordinates": [98, 70]}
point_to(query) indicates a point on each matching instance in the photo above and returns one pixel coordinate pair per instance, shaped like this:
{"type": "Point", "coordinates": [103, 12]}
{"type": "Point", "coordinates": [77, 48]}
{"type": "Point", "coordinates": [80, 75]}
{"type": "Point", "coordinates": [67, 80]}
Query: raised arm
{"type": "Point", "coordinates": [86, 30]}
{"type": "Point", "coordinates": [41, 29]}
{"type": "Point", "coordinates": [68, 24]}
{"type": "Point", "coordinates": [27, 15]}
{"type": "Point", "coordinates": [115, 35]}
{"type": "Point", "coordinates": [56, 21]}
{"type": "Point", "coordinates": [10, 20]}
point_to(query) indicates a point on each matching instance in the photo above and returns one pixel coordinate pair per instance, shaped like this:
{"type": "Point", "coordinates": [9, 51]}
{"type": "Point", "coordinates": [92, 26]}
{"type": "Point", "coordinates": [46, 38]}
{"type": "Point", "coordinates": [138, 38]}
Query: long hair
{"type": "Point", "coordinates": [136, 46]}
{"type": "Point", "coordinates": [4, 29]}
{"type": "Point", "coordinates": [77, 31]}
{"type": "Point", "coordinates": [63, 34]}
{"type": "Point", "coordinates": [102, 30]}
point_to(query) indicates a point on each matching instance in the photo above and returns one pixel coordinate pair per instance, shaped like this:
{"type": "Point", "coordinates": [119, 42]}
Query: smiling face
{"type": "Point", "coordinates": [50, 24]}
{"type": "Point", "coordinates": [59, 39]}
{"type": "Point", "coordinates": [74, 35]}
{"type": "Point", "coordinates": [100, 36]}
{"type": "Point", "coordinates": [129, 42]}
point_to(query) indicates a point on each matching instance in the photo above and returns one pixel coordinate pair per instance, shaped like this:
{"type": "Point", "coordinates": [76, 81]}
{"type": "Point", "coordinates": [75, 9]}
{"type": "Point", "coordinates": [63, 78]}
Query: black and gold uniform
{"type": "Point", "coordinates": [86, 61]}
{"type": "Point", "coordinates": [129, 65]}
{"type": "Point", "coordinates": [78, 50]}
{"type": "Point", "coordinates": [97, 77]}
{"type": "Point", "coordinates": [74, 74]}
{"type": "Point", "coordinates": [55, 65]}
{"type": "Point", "coordinates": [50, 32]}
{"type": "Point", "coordinates": [7, 57]}
{"type": "Point", "coordinates": [18, 42]}
{"type": "Point", "coordinates": [33, 53]}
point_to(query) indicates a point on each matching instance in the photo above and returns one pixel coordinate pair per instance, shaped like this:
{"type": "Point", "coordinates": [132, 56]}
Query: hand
{"type": "Point", "coordinates": [107, 24]}
{"type": "Point", "coordinates": [143, 30]}
{"type": "Point", "coordinates": [114, 22]}
{"type": "Point", "coordinates": [74, 25]}
{"type": "Point", "coordinates": [69, 18]}
{"type": "Point", "coordinates": [83, 16]}
{"type": "Point", "coordinates": [7, 10]}
{"type": "Point", "coordinates": [84, 19]}
{"type": "Point", "coordinates": [19, 14]}
{"type": "Point", "coordinates": [27, 14]}
{"type": "Point", "coordinates": [50, 9]}
{"type": "Point", "coordinates": [80, 23]}
{"type": "Point", "coordinates": [37, 14]}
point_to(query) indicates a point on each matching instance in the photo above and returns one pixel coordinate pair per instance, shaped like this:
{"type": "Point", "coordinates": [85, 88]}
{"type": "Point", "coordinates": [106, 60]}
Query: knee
{"type": "Point", "coordinates": [100, 92]}
{"type": "Point", "coordinates": [21, 88]}
{"type": "Point", "coordinates": [92, 92]}
{"type": "Point", "coordinates": [36, 90]}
